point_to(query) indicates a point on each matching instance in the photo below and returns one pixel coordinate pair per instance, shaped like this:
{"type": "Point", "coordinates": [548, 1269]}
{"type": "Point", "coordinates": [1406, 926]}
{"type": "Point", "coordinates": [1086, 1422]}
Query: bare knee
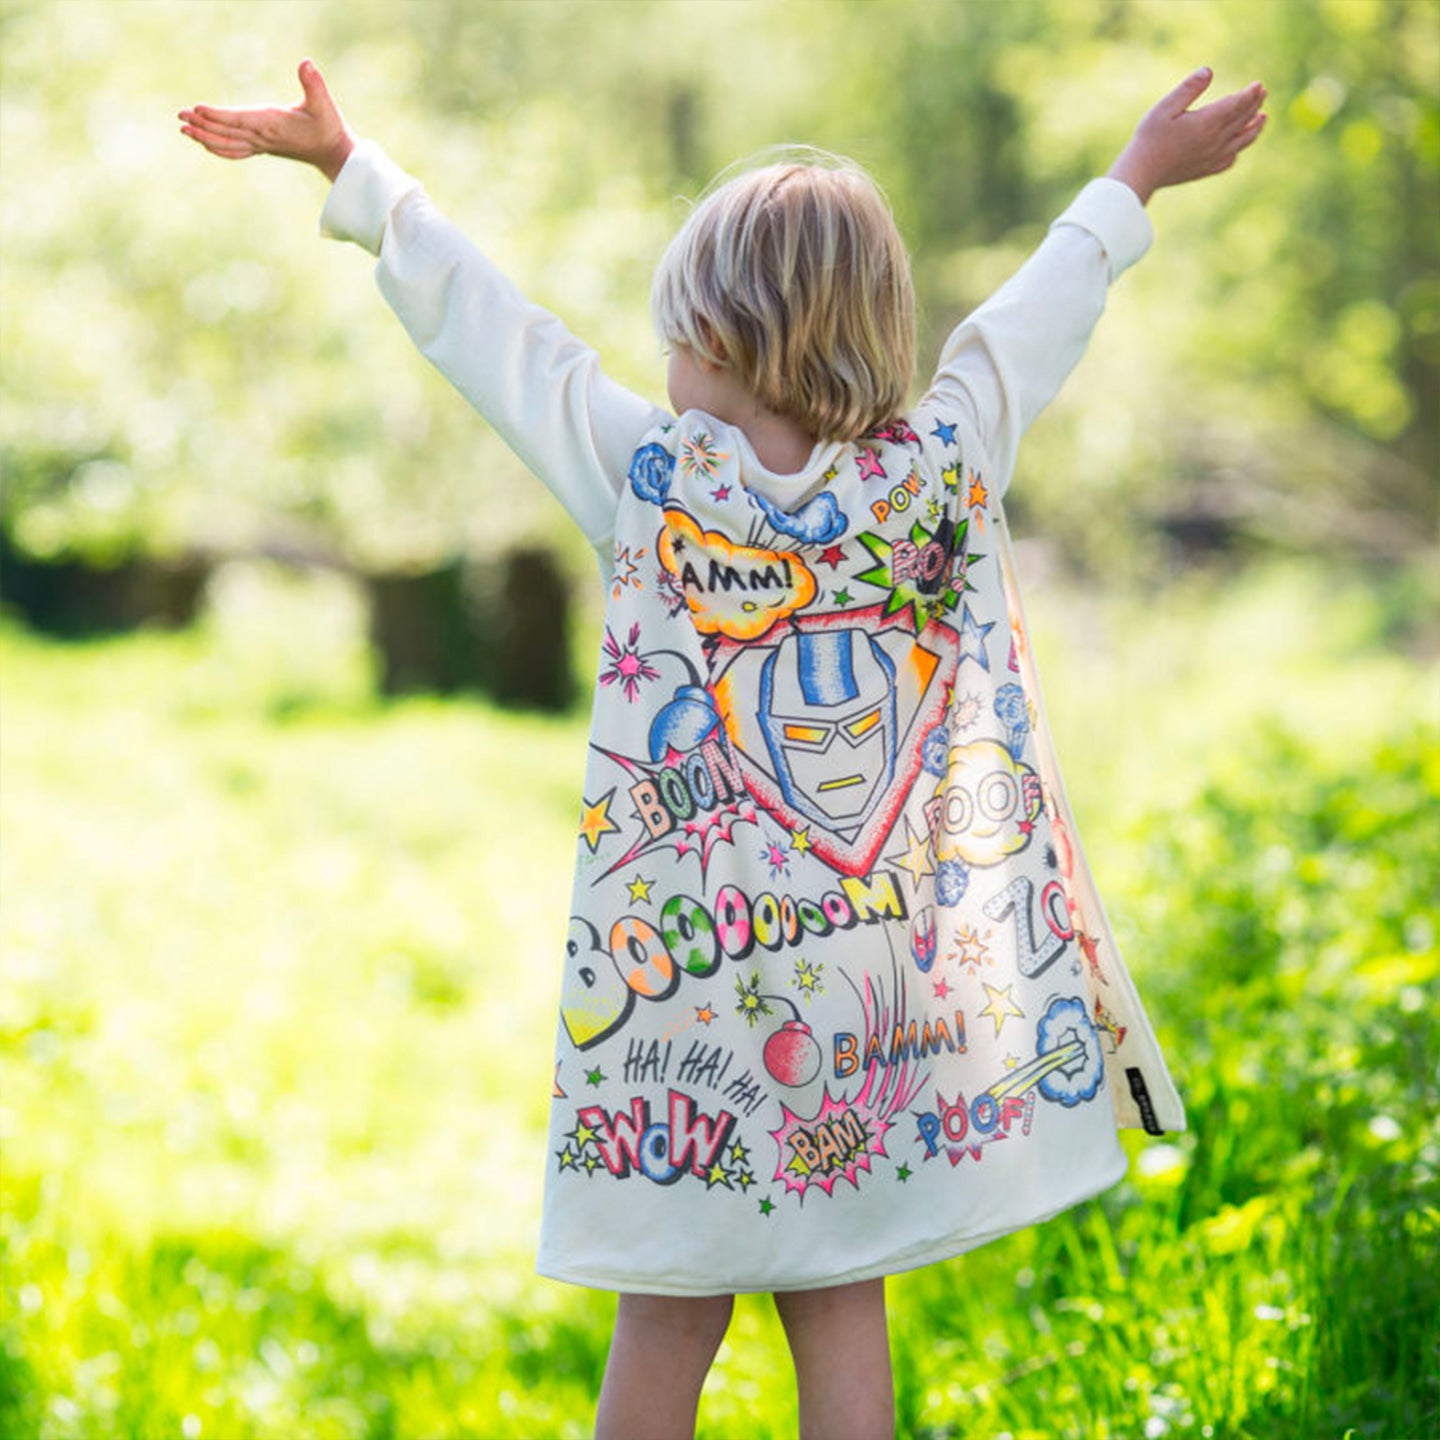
{"type": "Point", "coordinates": [693, 1323]}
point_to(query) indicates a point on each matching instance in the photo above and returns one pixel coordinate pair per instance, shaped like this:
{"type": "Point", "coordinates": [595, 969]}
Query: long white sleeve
{"type": "Point", "coordinates": [540, 388]}
{"type": "Point", "coordinates": [1005, 362]}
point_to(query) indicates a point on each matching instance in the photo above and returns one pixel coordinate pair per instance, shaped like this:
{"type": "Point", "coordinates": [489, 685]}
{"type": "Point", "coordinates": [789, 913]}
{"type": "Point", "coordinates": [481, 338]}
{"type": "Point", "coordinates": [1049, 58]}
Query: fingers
{"type": "Point", "coordinates": [1185, 94]}
{"type": "Point", "coordinates": [317, 93]}
{"type": "Point", "coordinates": [218, 145]}
{"type": "Point", "coordinates": [246, 126]}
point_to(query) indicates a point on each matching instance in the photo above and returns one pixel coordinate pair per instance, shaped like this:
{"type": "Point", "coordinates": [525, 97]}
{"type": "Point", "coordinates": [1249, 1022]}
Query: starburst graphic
{"type": "Point", "coordinates": [698, 836]}
{"type": "Point", "coordinates": [752, 1004]}
{"type": "Point", "coordinates": [698, 456]}
{"type": "Point", "coordinates": [807, 978]}
{"type": "Point", "coordinates": [627, 667]}
{"type": "Point", "coordinates": [970, 949]}
{"type": "Point", "coordinates": [800, 840]}
{"type": "Point", "coordinates": [639, 889]}
{"type": "Point", "coordinates": [773, 854]}
{"type": "Point", "coordinates": [966, 711]}
{"type": "Point", "coordinates": [925, 573]}
{"type": "Point", "coordinates": [627, 569]}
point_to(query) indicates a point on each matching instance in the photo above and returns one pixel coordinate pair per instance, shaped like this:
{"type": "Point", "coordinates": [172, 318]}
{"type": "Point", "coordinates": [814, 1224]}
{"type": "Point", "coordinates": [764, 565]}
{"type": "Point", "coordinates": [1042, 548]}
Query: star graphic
{"type": "Point", "coordinates": [970, 949]}
{"type": "Point", "coordinates": [903, 1173]}
{"type": "Point", "coordinates": [744, 1179]}
{"type": "Point", "coordinates": [704, 1014]}
{"type": "Point", "coordinates": [807, 977]}
{"type": "Point", "coordinates": [766, 1205]}
{"type": "Point", "coordinates": [589, 1160]}
{"type": "Point", "coordinates": [1011, 1061]}
{"type": "Point", "coordinates": [977, 495]}
{"type": "Point", "coordinates": [800, 840]}
{"type": "Point", "coordinates": [595, 820]}
{"type": "Point", "coordinates": [944, 433]}
{"type": "Point", "coordinates": [720, 492]}
{"type": "Point", "coordinates": [1002, 1004]}
{"type": "Point", "coordinates": [567, 1158]}
{"type": "Point", "coordinates": [842, 596]}
{"type": "Point", "coordinates": [868, 462]}
{"type": "Point", "coordinates": [582, 1134]}
{"type": "Point", "coordinates": [640, 890]}
{"type": "Point", "coordinates": [595, 1077]}
{"type": "Point", "coordinates": [717, 1175]}
{"type": "Point", "coordinates": [831, 473]}
{"type": "Point", "coordinates": [972, 639]}
{"type": "Point", "coordinates": [914, 859]}
{"type": "Point", "coordinates": [832, 557]}
{"type": "Point", "coordinates": [738, 1154]}
{"type": "Point", "coordinates": [942, 988]}
{"type": "Point", "coordinates": [951, 476]}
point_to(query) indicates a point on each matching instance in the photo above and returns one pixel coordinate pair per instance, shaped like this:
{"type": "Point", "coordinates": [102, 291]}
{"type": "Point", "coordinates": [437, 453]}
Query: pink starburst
{"type": "Point", "coordinates": [628, 667]}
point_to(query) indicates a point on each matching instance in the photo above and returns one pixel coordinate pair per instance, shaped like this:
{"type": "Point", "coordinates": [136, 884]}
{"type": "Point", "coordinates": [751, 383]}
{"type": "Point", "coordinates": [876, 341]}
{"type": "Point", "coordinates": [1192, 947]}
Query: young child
{"type": "Point", "coordinates": [839, 996]}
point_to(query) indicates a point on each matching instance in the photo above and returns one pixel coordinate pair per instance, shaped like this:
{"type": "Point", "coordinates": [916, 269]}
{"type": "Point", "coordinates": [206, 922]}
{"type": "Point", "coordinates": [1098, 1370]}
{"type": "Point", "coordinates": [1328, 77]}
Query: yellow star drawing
{"type": "Point", "coordinates": [718, 1175]}
{"type": "Point", "coordinates": [738, 1154]}
{"type": "Point", "coordinates": [807, 976]}
{"type": "Point", "coordinates": [915, 858]}
{"type": "Point", "coordinates": [640, 889]}
{"type": "Point", "coordinates": [595, 820]}
{"type": "Point", "coordinates": [582, 1134]}
{"type": "Point", "coordinates": [567, 1158]}
{"type": "Point", "coordinates": [1002, 1005]}
{"type": "Point", "coordinates": [800, 840]}
{"type": "Point", "coordinates": [951, 476]}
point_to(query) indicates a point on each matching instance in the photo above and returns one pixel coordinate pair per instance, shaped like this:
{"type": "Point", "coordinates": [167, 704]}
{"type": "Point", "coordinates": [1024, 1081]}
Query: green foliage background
{"type": "Point", "coordinates": [269, 1168]}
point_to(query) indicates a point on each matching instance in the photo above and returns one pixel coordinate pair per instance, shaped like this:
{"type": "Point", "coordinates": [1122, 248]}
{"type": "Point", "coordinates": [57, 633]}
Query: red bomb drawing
{"type": "Point", "coordinates": [792, 1055]}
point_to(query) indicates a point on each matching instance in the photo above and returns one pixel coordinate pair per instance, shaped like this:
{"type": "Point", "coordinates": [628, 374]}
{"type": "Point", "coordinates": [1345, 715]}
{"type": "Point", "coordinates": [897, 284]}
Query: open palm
{"type": "Point", "coordinates": [312, 131]}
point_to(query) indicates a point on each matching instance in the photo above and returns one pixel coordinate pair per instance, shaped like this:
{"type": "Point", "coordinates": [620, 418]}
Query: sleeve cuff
{"type": "Point", "coordinates": [1111, 211]}
{"type": "Point", "coordinates": [364, 193]}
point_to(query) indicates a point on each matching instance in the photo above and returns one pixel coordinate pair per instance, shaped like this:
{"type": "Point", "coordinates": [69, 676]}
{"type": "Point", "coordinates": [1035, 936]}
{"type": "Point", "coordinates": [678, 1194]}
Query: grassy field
{"type": "Point", "coordinates": [277, 1046]}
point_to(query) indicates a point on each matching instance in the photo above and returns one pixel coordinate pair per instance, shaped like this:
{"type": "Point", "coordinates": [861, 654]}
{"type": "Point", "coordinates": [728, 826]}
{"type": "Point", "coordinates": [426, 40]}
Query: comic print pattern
{"type": "Point", "coordinates": [825, 939]}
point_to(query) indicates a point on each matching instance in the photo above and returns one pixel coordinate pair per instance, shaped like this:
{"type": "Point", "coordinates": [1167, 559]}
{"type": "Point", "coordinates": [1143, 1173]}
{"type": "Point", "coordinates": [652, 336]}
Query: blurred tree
{"type": "Point", "coordinates": [182, 364]}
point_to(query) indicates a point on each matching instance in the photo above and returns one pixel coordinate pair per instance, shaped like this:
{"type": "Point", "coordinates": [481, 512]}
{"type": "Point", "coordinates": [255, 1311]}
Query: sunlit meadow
{"type": "Point", "coordinates": [280, 968]}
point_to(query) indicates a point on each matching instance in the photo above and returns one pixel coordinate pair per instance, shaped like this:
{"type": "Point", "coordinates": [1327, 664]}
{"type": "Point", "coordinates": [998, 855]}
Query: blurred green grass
{"type": "Point", "coordinates": [278, 999]}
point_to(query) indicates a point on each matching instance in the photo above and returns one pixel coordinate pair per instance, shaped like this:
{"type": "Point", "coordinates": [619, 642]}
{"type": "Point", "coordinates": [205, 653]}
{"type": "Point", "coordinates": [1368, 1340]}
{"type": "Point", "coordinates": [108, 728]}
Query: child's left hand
{"type": "Point", "coordinates": [1173, 143]}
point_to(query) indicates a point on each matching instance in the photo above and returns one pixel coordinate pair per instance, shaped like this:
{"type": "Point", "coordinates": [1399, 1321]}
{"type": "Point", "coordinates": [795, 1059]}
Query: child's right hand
{"type": "Point", "coordinates": [1173, 143]}
{"type": "Point", "coordinates": [311, 131]}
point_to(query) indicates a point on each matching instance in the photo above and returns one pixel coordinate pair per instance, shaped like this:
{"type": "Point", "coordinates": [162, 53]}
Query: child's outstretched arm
{"type": "Point", "coordinates": [540, 388]}
{"type": "Point", "coordinates": [1004, 363]}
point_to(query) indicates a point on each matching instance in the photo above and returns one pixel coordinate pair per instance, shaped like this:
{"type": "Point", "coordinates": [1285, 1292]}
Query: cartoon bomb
{"type": "Point", "coordinates": [827, 712]}
{"type": "Point", "coordinates": [985, 806]}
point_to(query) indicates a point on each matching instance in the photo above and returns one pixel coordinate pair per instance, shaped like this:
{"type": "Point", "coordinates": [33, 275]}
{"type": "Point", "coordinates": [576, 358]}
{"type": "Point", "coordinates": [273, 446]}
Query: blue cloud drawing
{"type": "Point", "coordinates": [1065, 1022]}
{"type": "Point", "coordinates": [650, 472]}
{"type": "Point", "coordinates": [952, 879]}
{"type": "Point", "coordinates": [816, 522]}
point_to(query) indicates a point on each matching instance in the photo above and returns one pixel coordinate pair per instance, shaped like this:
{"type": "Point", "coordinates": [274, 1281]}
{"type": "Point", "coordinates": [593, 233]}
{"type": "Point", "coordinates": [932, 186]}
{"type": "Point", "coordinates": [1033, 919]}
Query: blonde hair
{"type": "Point", "coordinates": [794, 276]}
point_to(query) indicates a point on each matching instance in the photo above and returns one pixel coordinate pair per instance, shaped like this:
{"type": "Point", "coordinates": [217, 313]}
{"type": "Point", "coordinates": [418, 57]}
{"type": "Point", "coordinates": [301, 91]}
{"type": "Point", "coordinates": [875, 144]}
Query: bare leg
{"type": "Point", "coordinates": [659, 1357]}
{"type": "Point", "coordinates": [841, 1347]}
